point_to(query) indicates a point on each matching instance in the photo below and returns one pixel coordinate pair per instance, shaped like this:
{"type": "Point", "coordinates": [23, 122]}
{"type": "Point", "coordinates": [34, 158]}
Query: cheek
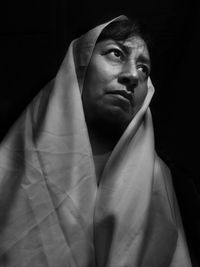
{"type": "Point", "coordinates": [99, 73]}
{"type": "Point", "coordinates": [95, 81]}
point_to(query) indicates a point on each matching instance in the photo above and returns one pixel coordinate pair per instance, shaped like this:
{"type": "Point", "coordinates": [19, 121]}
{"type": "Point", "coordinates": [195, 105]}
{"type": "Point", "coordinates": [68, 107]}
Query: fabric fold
{"type": "Point", "coordinates": [53, 212]}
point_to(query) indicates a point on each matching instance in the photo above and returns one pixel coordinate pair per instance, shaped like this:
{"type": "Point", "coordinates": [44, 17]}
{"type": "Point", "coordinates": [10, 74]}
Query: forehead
{"type": "Point", "coordinates": [133, 44]}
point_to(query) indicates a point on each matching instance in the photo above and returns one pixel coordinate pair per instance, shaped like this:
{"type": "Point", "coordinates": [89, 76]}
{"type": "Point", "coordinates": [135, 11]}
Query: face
{"type": "Point", "coordinates": [115, 84]}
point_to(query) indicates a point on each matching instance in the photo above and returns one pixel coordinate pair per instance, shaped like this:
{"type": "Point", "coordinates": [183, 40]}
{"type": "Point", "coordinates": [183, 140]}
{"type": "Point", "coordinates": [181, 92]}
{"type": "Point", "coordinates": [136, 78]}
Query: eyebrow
{"type": "Point", "coordinates": [125, 48]}
{"type": "Point", "coordinates": [144, 59]}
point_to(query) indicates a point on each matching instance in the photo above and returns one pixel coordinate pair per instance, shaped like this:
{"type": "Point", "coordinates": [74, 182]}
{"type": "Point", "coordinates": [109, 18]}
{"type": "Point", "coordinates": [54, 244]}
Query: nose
{"type": "Point", "coordinates": [129, 77]}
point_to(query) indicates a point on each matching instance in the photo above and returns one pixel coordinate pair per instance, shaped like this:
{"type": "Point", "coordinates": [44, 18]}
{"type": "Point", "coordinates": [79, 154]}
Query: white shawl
{"type": "Point", "coordinates": [53, 213]}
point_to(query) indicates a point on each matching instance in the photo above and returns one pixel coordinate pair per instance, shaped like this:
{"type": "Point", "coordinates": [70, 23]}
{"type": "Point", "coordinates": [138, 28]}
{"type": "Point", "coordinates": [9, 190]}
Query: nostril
{"type": "Point", "coordinates": [128, 81]}
{"type": "Point", "coordinates": [124, 80]}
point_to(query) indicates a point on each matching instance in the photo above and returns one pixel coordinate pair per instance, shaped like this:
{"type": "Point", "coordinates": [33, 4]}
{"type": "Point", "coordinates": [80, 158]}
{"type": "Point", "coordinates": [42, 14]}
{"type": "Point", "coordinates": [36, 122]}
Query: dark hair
{"type": "Point", "coordinates": [120, 30]}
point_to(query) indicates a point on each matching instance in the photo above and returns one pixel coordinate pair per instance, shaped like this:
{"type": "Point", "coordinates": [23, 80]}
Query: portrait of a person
{"type": "Point", "coordinates": [81, 183]}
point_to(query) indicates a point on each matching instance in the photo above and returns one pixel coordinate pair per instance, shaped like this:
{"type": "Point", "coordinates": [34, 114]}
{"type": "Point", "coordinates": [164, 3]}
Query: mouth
{"type": "Point", "coordinates": [125, 94]}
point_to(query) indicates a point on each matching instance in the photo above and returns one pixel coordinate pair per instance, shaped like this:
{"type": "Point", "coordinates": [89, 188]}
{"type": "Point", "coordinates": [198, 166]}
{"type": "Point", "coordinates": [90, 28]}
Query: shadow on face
{"type": "Point", "coordinates": [115, 84]}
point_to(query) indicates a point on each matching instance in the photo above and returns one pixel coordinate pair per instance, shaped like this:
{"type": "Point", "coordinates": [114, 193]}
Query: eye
{"type": "Point", "coordinates": [143, 69]}
{"type": "Point", "coordinates": [114, 54]}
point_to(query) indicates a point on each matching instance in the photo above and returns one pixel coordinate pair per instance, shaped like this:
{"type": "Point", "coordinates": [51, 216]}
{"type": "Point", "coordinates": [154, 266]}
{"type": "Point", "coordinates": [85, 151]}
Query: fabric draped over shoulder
{"type": "Point", "coordinates": [53, 213]}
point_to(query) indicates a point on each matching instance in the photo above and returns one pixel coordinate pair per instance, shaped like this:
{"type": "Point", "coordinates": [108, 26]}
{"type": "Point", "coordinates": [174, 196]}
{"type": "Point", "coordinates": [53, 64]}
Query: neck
{"type": "Point", "coordinates": [103, 137]}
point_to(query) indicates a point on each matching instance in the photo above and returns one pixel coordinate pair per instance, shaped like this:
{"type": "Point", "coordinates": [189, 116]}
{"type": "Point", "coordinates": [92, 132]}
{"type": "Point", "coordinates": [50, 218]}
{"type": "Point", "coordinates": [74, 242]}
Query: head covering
{"type": "Point", "coordinates": [53, 213]}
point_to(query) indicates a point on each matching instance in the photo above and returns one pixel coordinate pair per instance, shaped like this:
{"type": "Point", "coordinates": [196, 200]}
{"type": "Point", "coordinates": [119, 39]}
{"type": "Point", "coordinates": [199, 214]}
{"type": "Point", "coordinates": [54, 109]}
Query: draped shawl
{"type": "Point", "coordinates": [53, 213]}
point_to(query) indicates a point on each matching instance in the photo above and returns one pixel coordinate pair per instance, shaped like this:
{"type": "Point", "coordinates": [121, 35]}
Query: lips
{"type": "Point", "coordinates": [127, 95]}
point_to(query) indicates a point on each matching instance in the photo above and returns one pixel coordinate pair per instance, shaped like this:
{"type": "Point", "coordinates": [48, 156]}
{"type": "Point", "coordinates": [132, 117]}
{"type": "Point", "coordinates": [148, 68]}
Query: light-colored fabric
{"type": "Point", "coordinates": [99, 163]}
{"type": "Point", "coordinates": [52, 211]}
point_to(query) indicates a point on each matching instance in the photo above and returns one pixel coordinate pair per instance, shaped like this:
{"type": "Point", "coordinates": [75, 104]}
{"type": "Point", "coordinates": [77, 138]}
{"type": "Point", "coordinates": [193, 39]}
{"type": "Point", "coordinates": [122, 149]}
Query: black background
{"type": "Point", "coordinates": [34, 36]}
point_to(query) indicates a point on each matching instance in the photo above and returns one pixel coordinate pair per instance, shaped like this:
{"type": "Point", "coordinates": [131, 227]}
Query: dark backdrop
{"type": "Point", "coordinates": [34, 35]}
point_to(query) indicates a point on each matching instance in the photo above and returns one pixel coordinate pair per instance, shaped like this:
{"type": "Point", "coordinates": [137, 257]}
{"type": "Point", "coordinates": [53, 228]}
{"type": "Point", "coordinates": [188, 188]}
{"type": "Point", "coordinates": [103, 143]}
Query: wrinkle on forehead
{"type": "Point", "coordinates": [135, 44]}
{"type": "Point", "coordinates": [137, 50]}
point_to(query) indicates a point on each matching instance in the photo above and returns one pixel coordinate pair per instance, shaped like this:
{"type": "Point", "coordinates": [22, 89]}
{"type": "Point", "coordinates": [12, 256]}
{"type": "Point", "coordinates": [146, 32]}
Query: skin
{"type": "Point", "coordinates": [115, 87]}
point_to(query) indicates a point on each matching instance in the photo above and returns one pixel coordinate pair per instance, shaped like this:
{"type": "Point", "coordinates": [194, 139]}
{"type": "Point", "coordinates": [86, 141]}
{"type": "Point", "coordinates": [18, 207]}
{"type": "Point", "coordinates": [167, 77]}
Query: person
{"type": "Point", "coordinates": [81, 183]}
